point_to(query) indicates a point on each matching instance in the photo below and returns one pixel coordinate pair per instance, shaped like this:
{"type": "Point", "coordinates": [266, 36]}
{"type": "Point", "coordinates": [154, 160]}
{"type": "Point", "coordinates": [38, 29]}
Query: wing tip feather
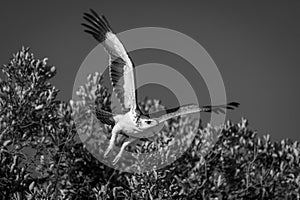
{"type": "Point", "coordinates": [95, 25]}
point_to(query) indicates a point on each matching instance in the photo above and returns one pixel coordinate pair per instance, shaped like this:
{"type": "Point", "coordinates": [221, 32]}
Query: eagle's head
{"type": "Point", "coordinates": [146, 123]}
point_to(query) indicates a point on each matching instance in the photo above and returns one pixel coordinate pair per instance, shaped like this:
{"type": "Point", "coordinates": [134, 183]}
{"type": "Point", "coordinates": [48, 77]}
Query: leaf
{"type": "Point", "coordinates": [31, 186]}
{"type": "Point", "coordinates": [296, 152]}
{"type": "Point", "coordinates": [282, 166]}
{"type": "Point", "coordinates": [155, 174]}
{"type": "Point", "coordinates": [219, 180]}
{"type": "Point", "coordinates": [7, 143]}
{"type": "Point", "coordinates": [115, 191]}
{"type": "Point", "coordinates": [150, 195]}
{"type": "Point", "coordinates": [39, 107]}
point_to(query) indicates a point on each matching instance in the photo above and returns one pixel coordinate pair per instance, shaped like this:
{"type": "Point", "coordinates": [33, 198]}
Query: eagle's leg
{"type": "Point", "coordinates": [116, 129]}
{"type": "Point", "coordinates": [124, 145]}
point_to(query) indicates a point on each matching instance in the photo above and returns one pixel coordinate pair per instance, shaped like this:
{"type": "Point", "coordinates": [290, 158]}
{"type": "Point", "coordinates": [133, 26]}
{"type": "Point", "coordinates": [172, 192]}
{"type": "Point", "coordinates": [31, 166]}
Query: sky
{"type": "Point", "coordinates": [255, 45]}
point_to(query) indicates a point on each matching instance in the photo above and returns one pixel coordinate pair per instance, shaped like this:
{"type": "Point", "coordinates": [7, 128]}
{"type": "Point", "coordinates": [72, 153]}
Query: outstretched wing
{"type": "Point", "coordinates": [105, 117]}
{"type": "Point", "coordinates": [188, 109]}
{"type": "Point", "coordinates": [121, 68]}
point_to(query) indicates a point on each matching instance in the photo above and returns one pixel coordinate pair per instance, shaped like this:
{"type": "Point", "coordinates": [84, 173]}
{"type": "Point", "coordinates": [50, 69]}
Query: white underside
{"type": "Point", "coordinates": [128, 127]}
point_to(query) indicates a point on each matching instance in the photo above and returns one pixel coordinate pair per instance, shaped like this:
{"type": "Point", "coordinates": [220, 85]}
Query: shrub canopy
{"type": "Point", "coordinates": [42, 156]}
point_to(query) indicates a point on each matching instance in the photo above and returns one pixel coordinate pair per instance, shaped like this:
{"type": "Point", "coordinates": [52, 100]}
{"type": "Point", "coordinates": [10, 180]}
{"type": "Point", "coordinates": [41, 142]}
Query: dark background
{"type": "Point", "coordinates": [255, 45]}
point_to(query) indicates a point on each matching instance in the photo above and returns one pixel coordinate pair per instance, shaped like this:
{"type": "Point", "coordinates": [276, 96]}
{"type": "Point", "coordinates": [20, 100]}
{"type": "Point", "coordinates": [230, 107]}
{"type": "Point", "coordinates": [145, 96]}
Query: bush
{"type": "Point", "coordinates": [42, 156]}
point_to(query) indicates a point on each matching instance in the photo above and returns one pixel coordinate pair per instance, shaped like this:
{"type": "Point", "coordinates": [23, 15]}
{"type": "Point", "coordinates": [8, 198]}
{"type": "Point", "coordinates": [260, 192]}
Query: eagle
{"type": "Point", "coordinates": [132, 122]}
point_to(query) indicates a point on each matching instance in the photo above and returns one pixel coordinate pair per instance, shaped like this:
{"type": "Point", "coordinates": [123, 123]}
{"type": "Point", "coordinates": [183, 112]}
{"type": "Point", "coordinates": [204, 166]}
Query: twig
{"type": "Point", "coordinates": [58, 164]}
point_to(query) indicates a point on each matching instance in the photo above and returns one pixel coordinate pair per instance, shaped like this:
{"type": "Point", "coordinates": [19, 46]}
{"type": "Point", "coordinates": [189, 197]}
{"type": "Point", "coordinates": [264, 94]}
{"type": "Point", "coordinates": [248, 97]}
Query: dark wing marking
{"type": "Point", "coordinates": [121, 84]}
{"type": "Point", "coordinates": [103, 116]}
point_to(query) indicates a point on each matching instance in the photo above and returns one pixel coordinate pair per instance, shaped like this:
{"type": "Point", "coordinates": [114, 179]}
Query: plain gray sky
{"type": "Point", "coordinates": [255, 45]}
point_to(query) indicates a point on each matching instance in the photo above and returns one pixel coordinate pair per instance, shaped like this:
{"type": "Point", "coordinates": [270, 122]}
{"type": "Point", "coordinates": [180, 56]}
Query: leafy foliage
{"type": "Point", "coordinates": [43, 157]}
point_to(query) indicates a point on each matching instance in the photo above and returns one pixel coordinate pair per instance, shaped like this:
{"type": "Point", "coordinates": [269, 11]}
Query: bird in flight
{"type": "Point", "coordinates": [132, 122]}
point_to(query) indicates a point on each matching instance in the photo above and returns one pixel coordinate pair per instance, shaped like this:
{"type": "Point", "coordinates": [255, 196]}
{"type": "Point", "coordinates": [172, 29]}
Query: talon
{"type": "Point", "coordinates": [112, 141]}
{"type": "Point", "coordinates": [124, 145]}
{"type": "Point", "coordinates": [106, 154]}
{"type": "Point", "coordinates": [117, 158]}
{"type": "Point", "coordinates": [107, 151]}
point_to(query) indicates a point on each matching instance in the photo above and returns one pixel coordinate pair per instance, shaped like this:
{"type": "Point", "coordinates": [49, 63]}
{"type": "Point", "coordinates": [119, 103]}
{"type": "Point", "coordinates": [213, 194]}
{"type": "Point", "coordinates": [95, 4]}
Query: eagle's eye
{"type": "Point", "coordinates": [148, 122]}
